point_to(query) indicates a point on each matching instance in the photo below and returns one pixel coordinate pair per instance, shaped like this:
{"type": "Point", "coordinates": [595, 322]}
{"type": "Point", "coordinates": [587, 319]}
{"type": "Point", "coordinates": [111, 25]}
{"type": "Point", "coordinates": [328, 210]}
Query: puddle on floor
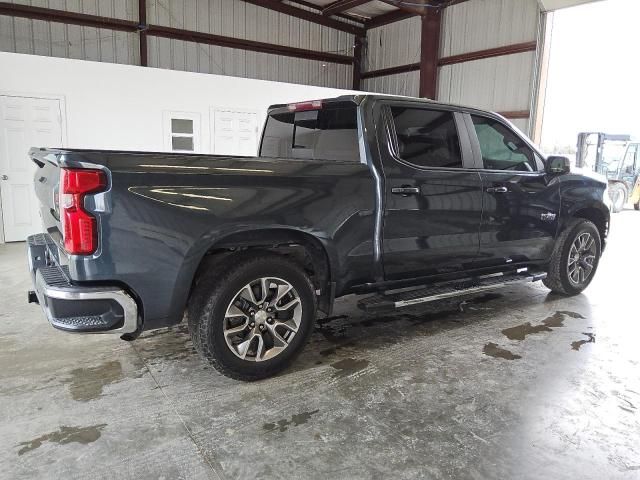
{"type": "Point", "coordinates": [284, 424]}
{"type": "Point", "coordinates": [519, 332]}
{"type": "Point", "coordinates": [493, 350]}
{"type": "Point", "coordinates": [87, 383]}
{"type": "Point", "coordinates": [591, 338]}
{"type": "Point", "coordinates": [82, 435]}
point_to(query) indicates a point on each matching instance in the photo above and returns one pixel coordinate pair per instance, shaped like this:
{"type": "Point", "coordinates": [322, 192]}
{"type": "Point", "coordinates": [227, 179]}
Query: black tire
{"type": "Point", "coordinates": [215, 291]}
{"type": "Point", "coordinates": [558, 279]}
{"type": "Point", "coordinates": [618, 195]}
{"type": "Point", "coordinates": [637, 206]}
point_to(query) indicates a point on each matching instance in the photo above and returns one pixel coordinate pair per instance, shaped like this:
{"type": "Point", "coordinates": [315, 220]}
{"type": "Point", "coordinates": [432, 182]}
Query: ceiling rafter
{"type": "Point", "coordinates": [342, 5]}
{"type": "Point", "coordinates": [318, 8]}
{"type": "Point", "coordinates": [307, 15]}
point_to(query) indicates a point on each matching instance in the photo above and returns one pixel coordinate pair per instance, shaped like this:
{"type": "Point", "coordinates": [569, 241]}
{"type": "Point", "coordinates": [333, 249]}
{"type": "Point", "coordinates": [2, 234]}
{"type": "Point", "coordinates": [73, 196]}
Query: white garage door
{"type": "Point", "coordinates": [235, 132]}
{"type": "Point", "coordinates": [25, 122]}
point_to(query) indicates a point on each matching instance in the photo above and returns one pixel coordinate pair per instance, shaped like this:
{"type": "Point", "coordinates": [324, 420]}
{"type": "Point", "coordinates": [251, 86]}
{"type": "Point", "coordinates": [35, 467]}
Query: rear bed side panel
{"type": "Point", "coordinates": [164, 212]}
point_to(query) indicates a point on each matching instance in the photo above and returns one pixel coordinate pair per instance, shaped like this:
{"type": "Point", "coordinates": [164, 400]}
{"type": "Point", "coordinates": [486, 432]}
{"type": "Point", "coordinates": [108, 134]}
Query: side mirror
{"type": "Point", "coordinates": [557, 164]}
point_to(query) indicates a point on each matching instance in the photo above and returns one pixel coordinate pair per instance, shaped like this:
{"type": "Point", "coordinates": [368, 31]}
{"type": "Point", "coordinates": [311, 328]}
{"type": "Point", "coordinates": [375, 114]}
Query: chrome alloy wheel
{"type": "Point", "coordinates": [262, 319]}
{"type": "Point", "coordinates": [582, 257]}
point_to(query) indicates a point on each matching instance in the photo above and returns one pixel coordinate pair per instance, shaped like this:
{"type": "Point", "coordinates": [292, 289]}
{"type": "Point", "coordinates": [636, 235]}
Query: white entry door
{"type": "Point", "coordinates": [25, 122]}
{"type": "Point", "coordinates": [235, 132]}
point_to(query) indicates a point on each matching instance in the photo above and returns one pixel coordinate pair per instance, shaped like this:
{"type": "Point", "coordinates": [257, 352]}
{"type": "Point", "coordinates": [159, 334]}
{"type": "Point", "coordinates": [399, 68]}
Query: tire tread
{"type": "Point", "coordinates": [206, 295]}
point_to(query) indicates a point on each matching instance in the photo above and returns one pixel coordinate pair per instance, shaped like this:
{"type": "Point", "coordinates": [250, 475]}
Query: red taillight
{"type": "Point", "coordinates": [79, 228]}
{"type": "Point", "coordinates": [305, 106]}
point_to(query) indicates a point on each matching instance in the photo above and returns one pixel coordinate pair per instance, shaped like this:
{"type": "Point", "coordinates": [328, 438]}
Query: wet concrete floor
{"type": "Point", "coordinates": [516, 383]}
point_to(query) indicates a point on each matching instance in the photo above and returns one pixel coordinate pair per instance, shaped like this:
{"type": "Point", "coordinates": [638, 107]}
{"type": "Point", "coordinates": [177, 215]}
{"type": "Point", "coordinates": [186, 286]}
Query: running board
{"type": "Point", "coordinates": [390, 301]}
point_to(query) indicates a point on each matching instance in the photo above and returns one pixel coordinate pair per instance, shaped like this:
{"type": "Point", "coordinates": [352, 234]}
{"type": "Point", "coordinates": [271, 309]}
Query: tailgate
{"type": "Point", "coordinates": [46, 181]}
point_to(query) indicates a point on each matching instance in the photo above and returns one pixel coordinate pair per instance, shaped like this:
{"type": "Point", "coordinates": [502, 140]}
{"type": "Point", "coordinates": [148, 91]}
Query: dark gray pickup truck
{"type": "Point", "coordinates": [403, 199]}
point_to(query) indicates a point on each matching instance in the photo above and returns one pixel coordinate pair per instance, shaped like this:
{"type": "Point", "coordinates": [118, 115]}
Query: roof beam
{"type": "Point", "coordinates": [387, 18]}
{"type": "Point", "coordinates": [489, 53]}
{"type": "Point", "coordinates": [411, 7]}
{"type": "Point", "coordinates": [341, 6]}
{"type": "Point", "coordinates": [85, 20]}
{"type": "Point", "coordinates": [241, 44]}
{"type": "Point", "coordinates": [515, 114]}
{"type": "Point", "coordinates": [318, 8]}
{"type": "Point", "coordinates": [405, 12]}
{"type": "Point", "coordinates": [61, 16]}
{"type": "Point", "coordinates": [383, 72]}
{"type": "Point", "coordinates": [287, 9]}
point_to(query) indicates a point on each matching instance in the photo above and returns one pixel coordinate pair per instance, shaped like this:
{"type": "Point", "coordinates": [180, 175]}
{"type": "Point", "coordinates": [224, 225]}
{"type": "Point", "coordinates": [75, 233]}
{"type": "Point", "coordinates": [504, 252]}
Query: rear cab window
{"type": "Point", "coordinates": [328, 133]}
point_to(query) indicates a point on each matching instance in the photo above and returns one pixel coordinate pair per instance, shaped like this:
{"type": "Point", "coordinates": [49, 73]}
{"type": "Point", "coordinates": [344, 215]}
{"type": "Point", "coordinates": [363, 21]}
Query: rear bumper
{"type": "Point", "coordinates": [73, 308]}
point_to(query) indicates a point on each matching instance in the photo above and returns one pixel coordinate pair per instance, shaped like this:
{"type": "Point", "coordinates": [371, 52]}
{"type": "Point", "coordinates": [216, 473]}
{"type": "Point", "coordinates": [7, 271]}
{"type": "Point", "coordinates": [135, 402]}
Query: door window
{"type": "Point", "coordinates": [426, 138]}
{"type": "Point", "coordinates": [501, 148]}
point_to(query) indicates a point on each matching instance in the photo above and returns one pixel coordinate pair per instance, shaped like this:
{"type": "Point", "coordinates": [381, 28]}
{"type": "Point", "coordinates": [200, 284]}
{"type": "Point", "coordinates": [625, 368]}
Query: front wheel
{"type": "Point", "coordinates": [575, 259]}
{"type": "Point", "coordinates": [251, 318]}
{"type": "Point", "coordinates": [618, 195]}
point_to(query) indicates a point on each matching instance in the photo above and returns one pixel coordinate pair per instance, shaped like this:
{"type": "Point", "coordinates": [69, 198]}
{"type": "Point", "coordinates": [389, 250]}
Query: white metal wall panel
{"type": "Point", "coordinates": [399, 84]}
{"type": "Point", "coordinates": [483, 24]}
{"type": "Point", "coordinates": [393, 44]}
{"type": "Point", "coordinates": [238, 19]}
{"type": "Point", "coordinates": [499, 83]}
{"type": "Point", "coordinates": [38, 37]}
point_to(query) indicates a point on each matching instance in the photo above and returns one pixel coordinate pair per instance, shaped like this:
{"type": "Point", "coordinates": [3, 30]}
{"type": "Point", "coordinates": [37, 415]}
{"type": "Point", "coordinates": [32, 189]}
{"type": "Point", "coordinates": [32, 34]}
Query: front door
{"type": "Point", "coordinates": [520, 202]}
{"type": "Point", "coordinates": [433, 201]}
{"type": "Point", "coordinates": [25, 122]}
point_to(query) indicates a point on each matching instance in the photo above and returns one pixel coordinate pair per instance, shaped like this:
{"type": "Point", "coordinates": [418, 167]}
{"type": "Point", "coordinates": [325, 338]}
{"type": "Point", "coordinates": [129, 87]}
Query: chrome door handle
{"type": "Point", "coordinates": [4, 177]}
{"type": "Point", "coordinates": [405, 190]}
{"type": "Point", "coordinates": [497, 189]}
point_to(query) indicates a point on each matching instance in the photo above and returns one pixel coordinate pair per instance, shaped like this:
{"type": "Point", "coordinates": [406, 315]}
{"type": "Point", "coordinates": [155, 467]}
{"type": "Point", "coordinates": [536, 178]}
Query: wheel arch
{"type": "Point", "coordinates": [313, 254]}
{"type": "Point", "coordinates": [597, 216]}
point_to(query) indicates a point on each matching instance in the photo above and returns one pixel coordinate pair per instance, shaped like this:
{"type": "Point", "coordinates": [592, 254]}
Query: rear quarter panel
{"type": "Point", "coordinates": [166, 211]}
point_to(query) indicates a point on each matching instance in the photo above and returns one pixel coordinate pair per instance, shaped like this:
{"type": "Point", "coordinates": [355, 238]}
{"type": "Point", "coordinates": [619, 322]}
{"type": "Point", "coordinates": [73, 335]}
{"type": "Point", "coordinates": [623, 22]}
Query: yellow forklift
{"type": "Point", "coordinates": [617, 157]}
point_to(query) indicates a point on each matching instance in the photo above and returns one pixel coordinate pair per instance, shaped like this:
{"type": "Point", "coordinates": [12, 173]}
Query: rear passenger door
{"type": "Point", "coordinates": [433, 198]}
{"type": "Point", "coordinates": [521, 202]}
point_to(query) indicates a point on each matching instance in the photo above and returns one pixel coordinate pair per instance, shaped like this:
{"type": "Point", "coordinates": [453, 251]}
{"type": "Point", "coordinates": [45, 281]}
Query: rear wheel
{"type": "Point", "coordinates": [252, 318]}
{"type": "Point", "coordinates": [618, 195]}
{"type": "Point", "coordinates": [637, 205]}
{"type": "Point", "coordinates": [575, 259]}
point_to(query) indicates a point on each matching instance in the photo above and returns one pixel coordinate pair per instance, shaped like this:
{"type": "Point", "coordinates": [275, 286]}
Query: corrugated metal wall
{"type": "Point", "coordinates": [241, 20]}
{"type": "Point", "coordinates": [232, 18]}
{"type": "Point", "coordinates": [501, 83]}
{"type": "Point", "coordinates": [390, 46]}
{"type": "Point", "coordinates": [37, 37]}
{"type": "Point", "coordinates": [478, 25]}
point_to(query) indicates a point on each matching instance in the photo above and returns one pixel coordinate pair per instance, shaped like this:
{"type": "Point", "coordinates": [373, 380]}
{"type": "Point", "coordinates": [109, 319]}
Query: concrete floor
{"type": "Point", "coordinates": [519, 384]}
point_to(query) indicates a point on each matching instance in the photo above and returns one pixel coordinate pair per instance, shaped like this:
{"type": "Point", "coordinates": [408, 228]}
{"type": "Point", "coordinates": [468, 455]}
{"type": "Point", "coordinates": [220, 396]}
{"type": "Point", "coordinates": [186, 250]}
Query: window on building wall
{"type": "Point", "coordinates": [182, 134]}
{"type": "Point", "coordinates": [182, 131]}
